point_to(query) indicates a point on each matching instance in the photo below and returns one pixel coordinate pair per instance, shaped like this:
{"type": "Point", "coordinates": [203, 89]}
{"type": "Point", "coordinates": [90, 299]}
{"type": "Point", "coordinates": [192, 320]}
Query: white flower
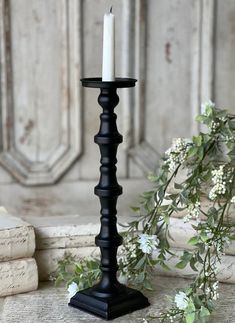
{"type": "Point", "coordinates": [122, 279]}
{"type": "Point", "coordinates": [214, 126]}
{"type": "Point", "coordinates": [177, 153]}
{"type": "Point", "coordinates": [181, 300]}
{"type": "Point", "coordinates": [145, 321]}
{"type": "Point", "coordinates": [215, 286]}
{"type": "Point", "coordinates": [193, 212]}
{"type": "Point", "coordinates": [233, 199]}
{"type": "Point", "coordinates": [148, 243]}
{"type": "Point", "coordinates": [72, 289]}
{"type": "Point", "coordinates": [207, 104]}
{"type": "Point", "coordinates": [219, 179]}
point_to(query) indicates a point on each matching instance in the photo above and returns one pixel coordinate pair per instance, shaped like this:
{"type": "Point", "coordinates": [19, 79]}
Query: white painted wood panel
{"type": "Point", "coordinates": [168, 71]}
{"type": "Point", "coordinates": [181, 51]}
{"type": "Point", "coordinates": [41, 105]}
{"type": "Point", "coordinates": [225, 55]}
{"type": "Point", "coordinates": [38, 72]}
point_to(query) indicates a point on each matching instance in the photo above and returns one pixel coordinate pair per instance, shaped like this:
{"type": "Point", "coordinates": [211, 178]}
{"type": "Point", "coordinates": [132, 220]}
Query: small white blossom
{"type": "Point", "coordinates": [215, 293]}
{"type": "Point", "coordinates": [72, 289]}
{"type": "Point", "coordinates": [215, 285]}
{"type": "Point", "coordinates": [233, 199]}
{"type": "Point", "coordinates": [207, 104]}
{"type": "Point", "coordinates": [145, 321]}
{"type": "Point", "coordinates": [181, 300]}
{"type": "Point", "coordinates": [148, 243]}
{"type": "Point", "coordinates": [218, 178]}
{"type": "Point", "coordinates": [214, 126]}
{"type": "Point", "coordinates": [229, 138]}
{"type": "Point", "coordinates": [123, 279]}
{"type": "Point", "coordinates": [177, 153]}
{"type": "Point", "coordinates": [193, 212]}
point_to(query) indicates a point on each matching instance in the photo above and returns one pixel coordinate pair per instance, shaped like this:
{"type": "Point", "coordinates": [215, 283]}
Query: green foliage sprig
{"type": "Point", "coordinates": [84, 273]}
{"type": "Point", "coordinates": [209, 159]}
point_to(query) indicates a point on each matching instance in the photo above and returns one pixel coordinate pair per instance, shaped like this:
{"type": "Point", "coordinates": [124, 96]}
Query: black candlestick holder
{"type": "Point", "coordinates": [108, 299]}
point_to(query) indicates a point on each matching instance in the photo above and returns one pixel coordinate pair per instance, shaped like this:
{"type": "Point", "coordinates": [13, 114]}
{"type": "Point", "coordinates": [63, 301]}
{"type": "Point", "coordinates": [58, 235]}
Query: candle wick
{"type": "Point", "coordinates": [111, 9]}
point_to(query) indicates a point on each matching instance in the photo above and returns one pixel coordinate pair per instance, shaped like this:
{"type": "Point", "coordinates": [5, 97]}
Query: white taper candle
{"type": "Point", "coordinates": [108, 67]}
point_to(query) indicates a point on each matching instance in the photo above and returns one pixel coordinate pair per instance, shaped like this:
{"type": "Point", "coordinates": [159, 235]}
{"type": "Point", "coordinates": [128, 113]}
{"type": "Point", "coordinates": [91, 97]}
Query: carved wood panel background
{"type": "Point", "coordinates": [40, 93]}
{"type": "Point", "coordinates": [180, 51]}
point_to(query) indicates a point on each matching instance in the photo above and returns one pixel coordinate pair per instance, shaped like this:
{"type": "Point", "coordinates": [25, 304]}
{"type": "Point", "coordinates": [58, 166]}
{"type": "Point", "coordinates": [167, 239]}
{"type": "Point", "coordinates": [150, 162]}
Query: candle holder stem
{"type": "Point", "coordinates": [109, 298]}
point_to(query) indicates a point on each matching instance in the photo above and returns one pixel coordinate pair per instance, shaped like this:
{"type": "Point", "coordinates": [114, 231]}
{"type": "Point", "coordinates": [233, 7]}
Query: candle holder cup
{"type": "Point", "coordinates": [108, 299]}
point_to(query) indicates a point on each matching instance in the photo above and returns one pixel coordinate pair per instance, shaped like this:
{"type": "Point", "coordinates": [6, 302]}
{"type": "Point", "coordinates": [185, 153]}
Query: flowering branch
{"type": "Point", "coordinates": [210, 161]}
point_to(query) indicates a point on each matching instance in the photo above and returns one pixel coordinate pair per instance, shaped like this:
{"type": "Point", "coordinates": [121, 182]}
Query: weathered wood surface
{"type": "Point", "coordinates": [40, 101]}
{"type": "Point", "coordinates": [47, 120]}
{"type": "Point", "coordinates": [224, 49]}
{"type": "Point", "coordinates": [49, 304]}
{"type": "Point", "coordinates": [74, 198]}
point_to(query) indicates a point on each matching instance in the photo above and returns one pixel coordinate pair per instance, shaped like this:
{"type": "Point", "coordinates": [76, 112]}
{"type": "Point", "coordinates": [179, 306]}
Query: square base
{"type": "Point", "coordinates": [109, 308]}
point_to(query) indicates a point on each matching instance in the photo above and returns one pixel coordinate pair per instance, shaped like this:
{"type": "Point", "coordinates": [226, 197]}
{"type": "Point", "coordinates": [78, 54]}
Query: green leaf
{"type": "Point", "coordinates": [148, 194]}
{"type": "Point", "coordinates": [209, 110]}
{"type": "Point", "coordinates": [190, 317]}
{"type": "Point", "coordinates": [204, 312]}
{"type": "Point", "coordinates": [147, 285]}
{"type": "Point", "coordinates": [161, 193]}
{"type": "Point", "coordinates": [166, 218]}
{"type": "Point", "coordinates": [135, 208]}
{"type": "Point", "coordinates": [231, 124]}
{"type": "Point", "coordinates": [193, 241]}
{"type": "Point", "coordinates": [140, 262]}
{"type": "Point", "coordinates": [178, 186]}
{"type": "Point", "coordinates": [193, 261]}
{"type": "Point", "coordinates": [152, 178]}
{"type": "Point", "coordinates": [141, 277]}
{"type": "Point", "coordinates": [201, 152]}
{"type": "Point", "coordinates": [197, 140]}
{"type": "Point", "coordinates": [182, 264]}
{"type": "Point", "coordinates": [164, 266]}
{"type": "Point", "coordinates": [232, 153]}
{"type": "Point", "coordinates": [192, 151]}
{"type": "Point", "coordinates": [200, 118]}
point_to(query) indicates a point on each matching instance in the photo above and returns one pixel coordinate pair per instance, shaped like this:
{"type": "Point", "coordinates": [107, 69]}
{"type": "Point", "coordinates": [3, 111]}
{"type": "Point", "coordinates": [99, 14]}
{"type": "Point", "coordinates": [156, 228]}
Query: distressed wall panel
{"type": "Point", "coordinates": [181, 51]}
{"type": "Point", "coordinates": [169, 59]}
{"type": "Point", "coordinates": [40, 101]}
{"type": "Point", "coordinates": [225, 54]}
{"type": "Point", "coordinates": [174, 55]}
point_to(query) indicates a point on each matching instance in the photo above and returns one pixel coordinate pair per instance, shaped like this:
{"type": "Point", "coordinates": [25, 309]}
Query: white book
{"type": "Point", "coordinates": [206, 203]}
{"type": "Point", "coordinates": [70, 231]}
{"type": "Point", "coordinates": [18, 276]}
{"type": "Point", "coordinates": [47, 260]}
{"type": "Point", "coordinates": [226, 269]}
{"type": "Point", "coordinates": [180, 232]}
{"type": "Point", "coordinates": [17, 238]}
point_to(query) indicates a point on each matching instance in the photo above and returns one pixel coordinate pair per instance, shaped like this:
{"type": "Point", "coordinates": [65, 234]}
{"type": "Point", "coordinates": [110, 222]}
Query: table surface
{"type": "Point", "coordinates": [49, 304]}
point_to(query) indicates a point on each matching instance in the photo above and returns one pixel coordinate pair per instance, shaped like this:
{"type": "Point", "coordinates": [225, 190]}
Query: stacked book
{"type": "Point", "coordinates": [58, 237]}
{"type": "Point", "coordinates": [180, 232]}
{"type": "Point", "coordinates": [18, 270]}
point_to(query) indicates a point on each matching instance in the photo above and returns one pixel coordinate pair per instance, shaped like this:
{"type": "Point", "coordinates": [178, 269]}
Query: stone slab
{"type": "Point", "coordinates": [71, 231]}
{"type": "Point", "coordinates": [49, 304]}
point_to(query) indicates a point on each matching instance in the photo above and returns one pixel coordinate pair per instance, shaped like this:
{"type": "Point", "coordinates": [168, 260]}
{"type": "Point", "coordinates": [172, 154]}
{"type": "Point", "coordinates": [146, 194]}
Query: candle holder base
{"type": "Point", "coordinates": [108, 308]}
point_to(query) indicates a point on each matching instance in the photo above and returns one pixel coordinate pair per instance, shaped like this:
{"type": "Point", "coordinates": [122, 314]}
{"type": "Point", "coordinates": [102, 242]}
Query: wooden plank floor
{"type": "Point", "coordinates": [49, 305]}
